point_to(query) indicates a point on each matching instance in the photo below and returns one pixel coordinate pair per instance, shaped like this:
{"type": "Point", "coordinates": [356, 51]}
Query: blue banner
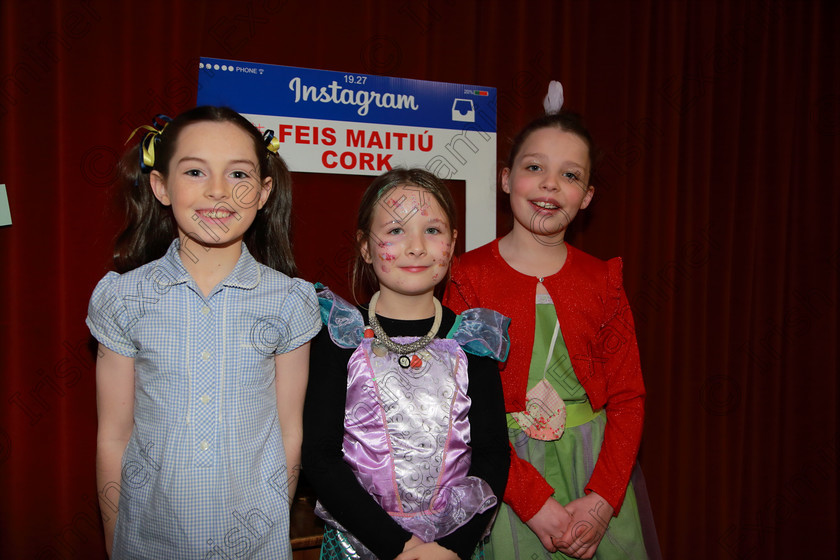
{"type": "Point", "coordinates": [266, 89]}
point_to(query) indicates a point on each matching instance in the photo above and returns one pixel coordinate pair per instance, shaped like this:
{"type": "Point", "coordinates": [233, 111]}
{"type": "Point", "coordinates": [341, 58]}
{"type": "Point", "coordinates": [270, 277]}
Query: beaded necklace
{"type": "Point", "coordinates": [383, 343]}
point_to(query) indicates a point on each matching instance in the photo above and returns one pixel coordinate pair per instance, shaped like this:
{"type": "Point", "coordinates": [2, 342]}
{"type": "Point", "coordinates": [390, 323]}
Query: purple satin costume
{"type": "Point", "coordinates": [406, 429]}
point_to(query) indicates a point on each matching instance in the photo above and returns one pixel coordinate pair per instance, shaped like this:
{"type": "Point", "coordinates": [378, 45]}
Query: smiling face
{"type": "Point", "coordinates": [213, 183]}
{"type": "Point", "coordinates": [410, 243]}
{"type": "Point", "coordinates": [548, 183]}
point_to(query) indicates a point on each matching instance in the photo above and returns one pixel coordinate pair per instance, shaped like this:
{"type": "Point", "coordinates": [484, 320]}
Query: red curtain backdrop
{"type": "Point", "coordinates": [720, 131]}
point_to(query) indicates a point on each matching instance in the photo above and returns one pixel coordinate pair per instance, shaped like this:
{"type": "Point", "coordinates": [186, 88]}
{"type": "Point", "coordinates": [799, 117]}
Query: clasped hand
{"type": "Point", "coordinates": [576, 529]}
{"type": "Point", "coordinates": [416, 549]}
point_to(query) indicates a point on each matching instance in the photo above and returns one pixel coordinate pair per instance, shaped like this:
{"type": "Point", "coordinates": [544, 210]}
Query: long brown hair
{"type": "Point", "coordinates": [150, 226]}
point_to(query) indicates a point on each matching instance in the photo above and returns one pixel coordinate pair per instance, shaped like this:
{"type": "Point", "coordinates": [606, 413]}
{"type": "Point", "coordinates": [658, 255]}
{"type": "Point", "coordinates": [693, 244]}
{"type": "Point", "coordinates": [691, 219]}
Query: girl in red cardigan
{"type": "Point", "coordinates": [572, 382]}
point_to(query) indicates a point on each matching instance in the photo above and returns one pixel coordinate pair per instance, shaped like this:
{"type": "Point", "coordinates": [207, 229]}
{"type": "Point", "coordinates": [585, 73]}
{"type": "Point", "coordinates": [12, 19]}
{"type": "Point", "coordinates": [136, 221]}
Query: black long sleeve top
{"type": "Point", "coordinates": [334, 481]}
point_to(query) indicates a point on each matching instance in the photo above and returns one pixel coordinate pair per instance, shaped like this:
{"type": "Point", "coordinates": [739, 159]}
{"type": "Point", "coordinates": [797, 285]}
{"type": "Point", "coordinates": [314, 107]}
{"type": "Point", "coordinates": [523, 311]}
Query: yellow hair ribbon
{"type": "Point", "coordinates": [271, 142]}
{"type": "Point", "coordinates": [147, 144]}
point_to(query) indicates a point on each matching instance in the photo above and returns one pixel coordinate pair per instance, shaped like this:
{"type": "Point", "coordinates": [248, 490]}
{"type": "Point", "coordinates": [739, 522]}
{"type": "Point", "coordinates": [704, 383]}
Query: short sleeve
{"type": "Point", "coordinates": [300, 315]}
{"type": "Point", "coordinates": [108, 318]}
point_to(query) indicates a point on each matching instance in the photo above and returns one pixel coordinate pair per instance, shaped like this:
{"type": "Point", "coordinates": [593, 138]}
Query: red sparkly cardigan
{"type": "Point", "coordinates": [598, 329]}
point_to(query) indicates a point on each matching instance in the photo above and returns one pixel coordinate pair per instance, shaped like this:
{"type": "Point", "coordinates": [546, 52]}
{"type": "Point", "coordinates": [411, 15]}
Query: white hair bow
{"type": "Point", "coordinates": [553, 101]}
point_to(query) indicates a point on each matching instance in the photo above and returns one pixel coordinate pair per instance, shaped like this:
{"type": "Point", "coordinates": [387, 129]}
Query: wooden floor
{"type": "Point", "coordinates": [306, 530]}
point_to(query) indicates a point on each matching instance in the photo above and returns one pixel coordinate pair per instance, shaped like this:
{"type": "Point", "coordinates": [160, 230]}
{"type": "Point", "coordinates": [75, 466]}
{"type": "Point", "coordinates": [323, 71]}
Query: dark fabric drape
{"type": "Point", "coordinates": [720, 132]}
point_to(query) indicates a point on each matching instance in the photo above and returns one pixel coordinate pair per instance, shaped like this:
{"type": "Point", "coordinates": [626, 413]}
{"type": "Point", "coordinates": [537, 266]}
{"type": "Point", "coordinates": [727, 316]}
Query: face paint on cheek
{"type": "Point", "coordinates": [387, 257]}
{"type": "Point", "coordinates": [444, 251]}
{"type": "Point", "coordinates": [385, 269]}
{"type": "Point", "coordinates": [441, 262]}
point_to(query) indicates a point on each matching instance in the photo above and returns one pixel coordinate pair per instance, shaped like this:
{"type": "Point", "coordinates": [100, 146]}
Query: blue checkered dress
{"type": "Point", "coordinates": [204, 473]}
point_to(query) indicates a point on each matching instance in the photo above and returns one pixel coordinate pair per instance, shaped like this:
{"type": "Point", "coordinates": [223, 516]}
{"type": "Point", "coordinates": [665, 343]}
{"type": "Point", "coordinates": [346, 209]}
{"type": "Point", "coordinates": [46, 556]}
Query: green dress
{"type": "Point", "coordinates": [566, 463]}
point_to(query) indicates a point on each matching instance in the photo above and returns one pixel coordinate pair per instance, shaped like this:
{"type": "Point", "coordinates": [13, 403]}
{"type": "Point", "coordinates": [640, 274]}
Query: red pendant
{"type": "Point", "coordinates": [416, 362]}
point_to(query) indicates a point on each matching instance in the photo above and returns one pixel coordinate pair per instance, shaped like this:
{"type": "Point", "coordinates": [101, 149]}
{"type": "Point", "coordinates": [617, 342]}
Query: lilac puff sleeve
{"type": "Point", "coordinates": [482, 332]}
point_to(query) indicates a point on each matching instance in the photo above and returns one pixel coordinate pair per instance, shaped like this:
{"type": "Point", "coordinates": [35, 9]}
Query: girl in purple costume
{"type": "Point", "coordinates": [404, 432]}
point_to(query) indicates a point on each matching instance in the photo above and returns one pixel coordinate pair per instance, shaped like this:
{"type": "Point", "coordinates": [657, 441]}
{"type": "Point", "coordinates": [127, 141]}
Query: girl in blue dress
{"type": "Point", "coordinates": [203, 347]}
